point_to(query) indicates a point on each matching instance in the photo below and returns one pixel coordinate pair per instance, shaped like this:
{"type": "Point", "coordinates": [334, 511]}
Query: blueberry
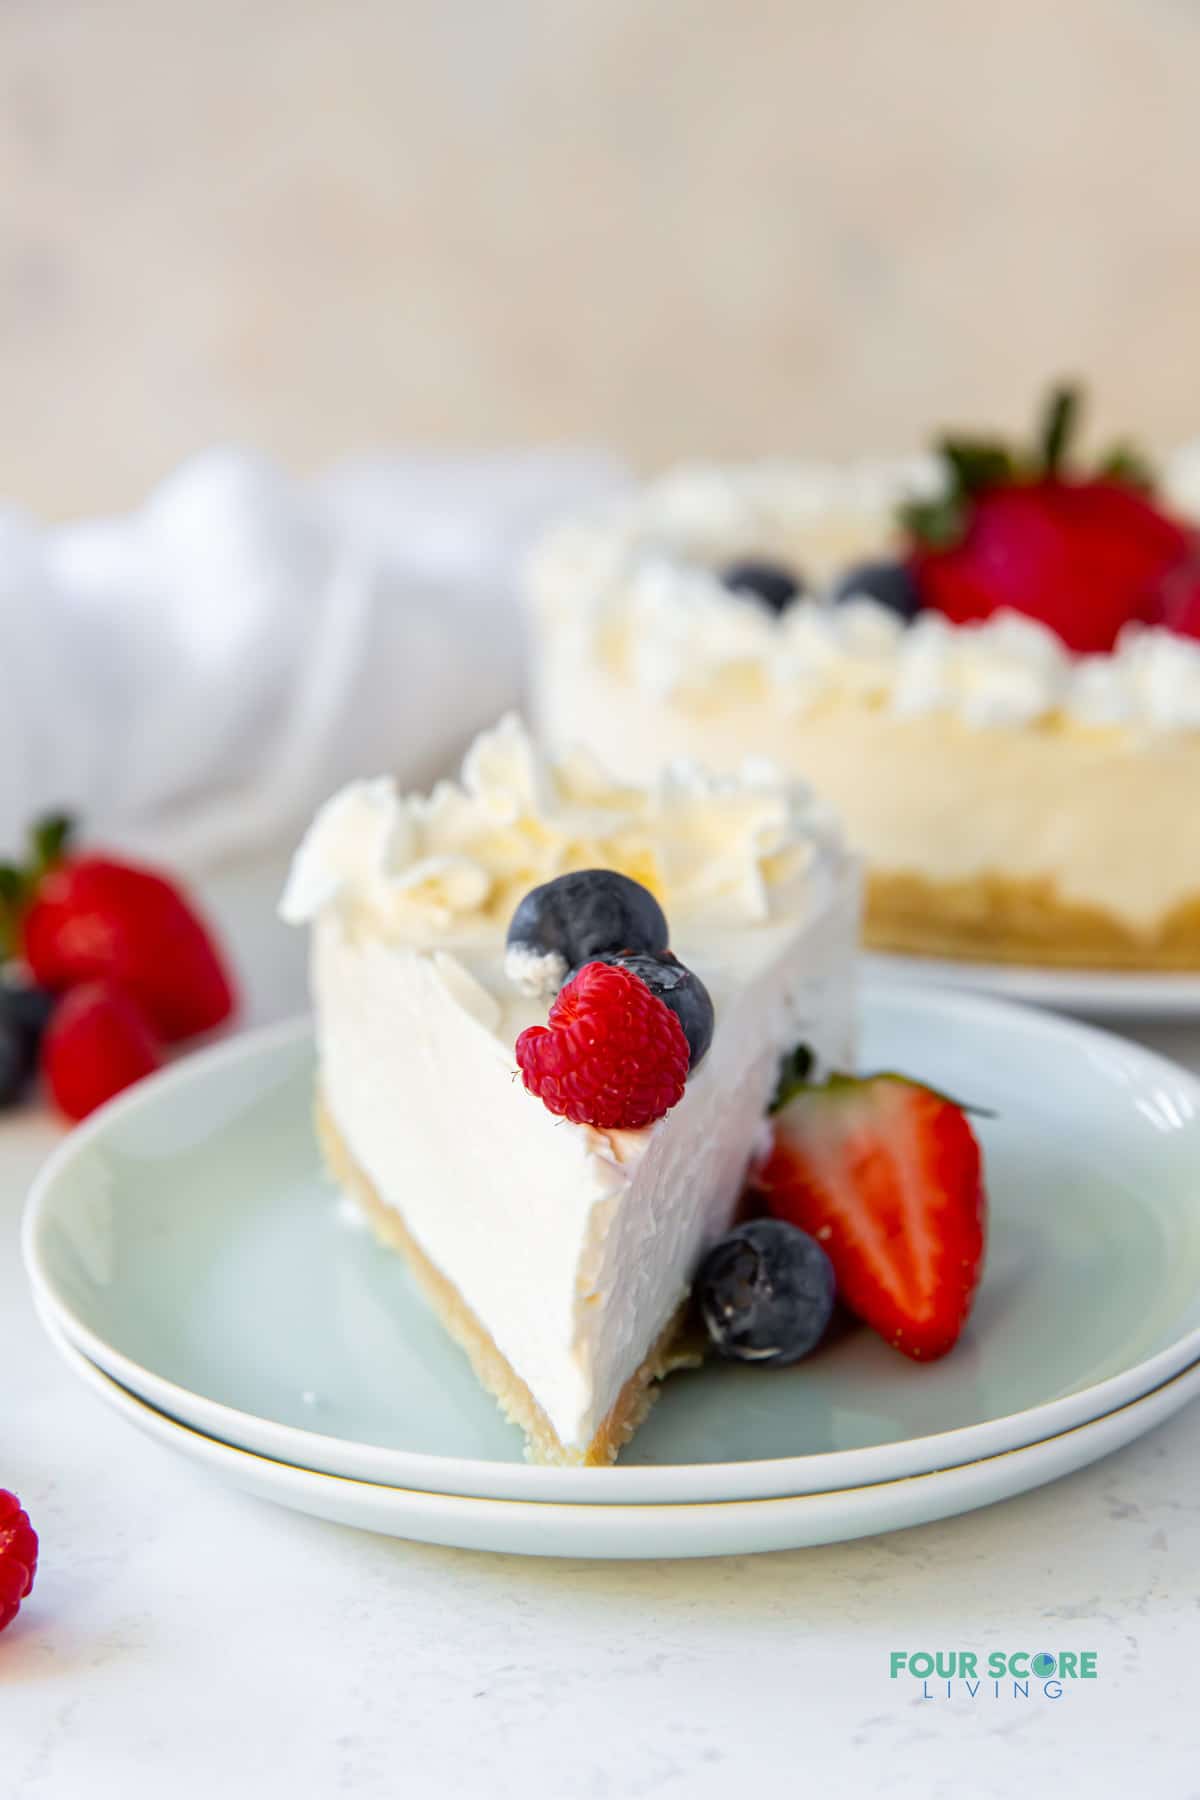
{"type": "Point", "coordinates": [769, 582]}
{"type": "Point", "coordinates": [676, 987]}
{"type": "Point", "coordinates": [887, 583]}
{"type": "Point", "coordinates": [24, 1014]}
{"type": "Point", "coordinates": [765, 1292]}
{"type": "Point", "coordinates": [29, 1009]}
{"type": "Point", "coordinates": [16, 1064]}
{"type": "Point", "coordinates": [576, 919]}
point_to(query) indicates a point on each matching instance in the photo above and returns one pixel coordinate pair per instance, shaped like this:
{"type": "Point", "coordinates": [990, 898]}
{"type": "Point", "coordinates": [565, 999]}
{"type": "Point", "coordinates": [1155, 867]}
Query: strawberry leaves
{"type": "Point", "coordinates": [794, 1071]}
{"type": "Point", "coordinates": [1059, 419]}
{"type": "Point", "coordinates": [976, 466]}
{"type": "Point", "coordinates": [49, 841]}
{"type": "Point", "coordinates": [795, 1077]}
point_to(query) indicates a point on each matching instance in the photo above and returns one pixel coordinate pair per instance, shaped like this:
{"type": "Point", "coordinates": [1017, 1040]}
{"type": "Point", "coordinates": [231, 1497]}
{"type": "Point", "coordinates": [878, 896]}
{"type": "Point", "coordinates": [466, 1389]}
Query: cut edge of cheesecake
{"type": "Point", "coordinates": [677, 1346]}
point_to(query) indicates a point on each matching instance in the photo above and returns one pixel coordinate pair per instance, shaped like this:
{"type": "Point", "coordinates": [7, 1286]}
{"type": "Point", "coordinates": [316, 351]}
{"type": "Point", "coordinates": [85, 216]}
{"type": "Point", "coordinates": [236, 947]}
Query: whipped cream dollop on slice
{"type": "Point", "coordinates": [453, 865]}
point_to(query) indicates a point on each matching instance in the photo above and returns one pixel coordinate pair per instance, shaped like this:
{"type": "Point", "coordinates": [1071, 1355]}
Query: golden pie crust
{"type": "Point", "coordinates": [994, 919]}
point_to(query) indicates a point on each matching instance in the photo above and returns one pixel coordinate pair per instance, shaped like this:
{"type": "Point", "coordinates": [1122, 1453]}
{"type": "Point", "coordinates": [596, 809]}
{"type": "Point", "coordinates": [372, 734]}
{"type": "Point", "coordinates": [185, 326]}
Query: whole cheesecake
{"type": "Point", "coordinates": [989, 665]}
{"type": "Point", "coordinates": [557, 1251]}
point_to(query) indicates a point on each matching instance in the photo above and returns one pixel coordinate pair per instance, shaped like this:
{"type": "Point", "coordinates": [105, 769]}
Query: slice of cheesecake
{"type": "Point", "coordinates": [559, 1254]}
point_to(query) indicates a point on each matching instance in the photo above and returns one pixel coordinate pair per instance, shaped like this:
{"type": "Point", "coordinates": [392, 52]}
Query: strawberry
{"type": "Point", "coordinates": [98, 1042]}
{"type": "Point", "coordinates": [887, 1176]}
{"type": "Point", "coordinates": [1180, 601]}
{"type": "Point", "coordinates": [1085, 555]}
{"type": "Point", "coordinates": [81, 918]}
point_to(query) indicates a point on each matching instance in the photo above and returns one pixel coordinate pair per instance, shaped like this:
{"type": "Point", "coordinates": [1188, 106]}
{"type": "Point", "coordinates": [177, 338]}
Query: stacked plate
{"type": "Point", "coordinates": [194, 1268]}
{"type": "Point", "coordinates": [1161, 995]}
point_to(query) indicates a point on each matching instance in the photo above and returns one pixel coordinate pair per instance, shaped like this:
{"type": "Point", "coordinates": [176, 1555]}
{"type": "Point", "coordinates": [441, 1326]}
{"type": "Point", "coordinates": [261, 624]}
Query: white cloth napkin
{"type": "Point", "coordinates": [193, 678]}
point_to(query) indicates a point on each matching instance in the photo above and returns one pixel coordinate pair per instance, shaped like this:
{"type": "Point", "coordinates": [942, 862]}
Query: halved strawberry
{"type": "Point", "coordinates": [887, 1176]}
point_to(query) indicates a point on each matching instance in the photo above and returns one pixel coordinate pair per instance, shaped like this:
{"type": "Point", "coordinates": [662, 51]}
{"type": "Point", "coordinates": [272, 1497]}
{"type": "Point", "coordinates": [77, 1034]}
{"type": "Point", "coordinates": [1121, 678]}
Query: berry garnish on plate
{"type": "Point", "coordinates": [611, 1054]}
{"type": "Point", "coordinates": [887, 1176]}
{"type": "Point", "coordinates": [769, 582]}
{"type": "Point", "coordinates": [889, 584]}
{"type": "Point", "coordinates": [81, 917]}
{"type": "Point", "coordinates": [1084, 552]}
{"type": "Point", "coordinates": [18, 1557]}
{"type": "Point", "coordinates": [765, 1292]}
{"type": "Point", "coordinates": [99, 1042]}
{"type": "Point", "coordinates": [568, 921]}
{"type": "Point", "coordinates": [678, 988]}
{"type": "Point", "coordinates": [77, 917]}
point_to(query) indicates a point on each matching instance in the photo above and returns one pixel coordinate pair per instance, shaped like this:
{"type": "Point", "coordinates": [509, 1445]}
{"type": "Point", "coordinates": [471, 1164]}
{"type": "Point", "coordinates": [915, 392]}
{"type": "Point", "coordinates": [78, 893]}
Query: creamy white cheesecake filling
{"type": "Point", "coordinates": [571, 1247]}
{"type": "Point", "coordinates": [934, 797]}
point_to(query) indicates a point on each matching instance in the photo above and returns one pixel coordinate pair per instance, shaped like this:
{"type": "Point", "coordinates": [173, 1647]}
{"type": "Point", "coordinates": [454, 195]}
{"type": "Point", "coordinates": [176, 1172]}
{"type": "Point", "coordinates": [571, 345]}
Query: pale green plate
{"type": "Point", "coordinates": [187, 1242]}
{"type": "Point", "coordinates": [737, 1527]}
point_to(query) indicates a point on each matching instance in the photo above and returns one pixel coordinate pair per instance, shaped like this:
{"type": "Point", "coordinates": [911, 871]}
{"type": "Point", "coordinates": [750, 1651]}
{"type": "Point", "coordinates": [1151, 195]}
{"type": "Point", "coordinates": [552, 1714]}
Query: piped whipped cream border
{"type": "Point", "coordinates": [638, 588]}
{"type": "Point", "coordinates": [735, 849]}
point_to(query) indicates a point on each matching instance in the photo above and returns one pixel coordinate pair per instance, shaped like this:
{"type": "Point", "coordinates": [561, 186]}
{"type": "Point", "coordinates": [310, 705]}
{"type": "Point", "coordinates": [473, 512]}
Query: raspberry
{"type": "Point", "coordinates": [613, 1055]}
{"type": "Point", "coordinates": [18, 1557]}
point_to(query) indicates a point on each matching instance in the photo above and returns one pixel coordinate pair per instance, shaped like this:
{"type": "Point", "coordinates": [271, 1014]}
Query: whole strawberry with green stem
{"type": "Point", "coordinates": [1085, 553]}
{"type": "Point", "coordinates": [76, 917]}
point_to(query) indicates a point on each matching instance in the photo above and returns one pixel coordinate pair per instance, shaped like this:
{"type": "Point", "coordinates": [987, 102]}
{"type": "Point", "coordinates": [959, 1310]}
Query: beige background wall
{"type": "Point", "coordinates": [721, 225]}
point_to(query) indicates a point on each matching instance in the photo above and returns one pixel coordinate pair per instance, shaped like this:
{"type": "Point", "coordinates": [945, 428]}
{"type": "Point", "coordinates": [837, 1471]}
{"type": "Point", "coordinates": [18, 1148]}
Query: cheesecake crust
{"type": "Point", "coordinates": [993, 918]}
{"type": "Point", "coordinates": [676, 1348]}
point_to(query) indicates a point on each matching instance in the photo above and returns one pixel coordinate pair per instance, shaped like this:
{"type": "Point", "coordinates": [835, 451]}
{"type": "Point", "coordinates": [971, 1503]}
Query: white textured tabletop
{"type": "Point", "coordinates": [183, 1639]}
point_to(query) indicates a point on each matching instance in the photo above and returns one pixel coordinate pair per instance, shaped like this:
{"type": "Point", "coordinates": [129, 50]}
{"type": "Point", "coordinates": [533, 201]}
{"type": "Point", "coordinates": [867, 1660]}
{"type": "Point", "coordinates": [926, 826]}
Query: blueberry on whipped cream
{"type": "Point", "coordinates": [889, 584]}
{"type": "Point", "coordinates": [769, 582]}
{"type": "Point", "coordinates": [598, 915]}
{"type": "Point", "coordinates": [576, 919]}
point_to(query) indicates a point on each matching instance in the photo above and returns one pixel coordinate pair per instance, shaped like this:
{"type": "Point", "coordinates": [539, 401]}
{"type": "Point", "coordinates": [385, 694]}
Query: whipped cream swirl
{"type": "Point", "coordinates": [455, 863]}
{"type": "Point", "coordinates": [642, 592]}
